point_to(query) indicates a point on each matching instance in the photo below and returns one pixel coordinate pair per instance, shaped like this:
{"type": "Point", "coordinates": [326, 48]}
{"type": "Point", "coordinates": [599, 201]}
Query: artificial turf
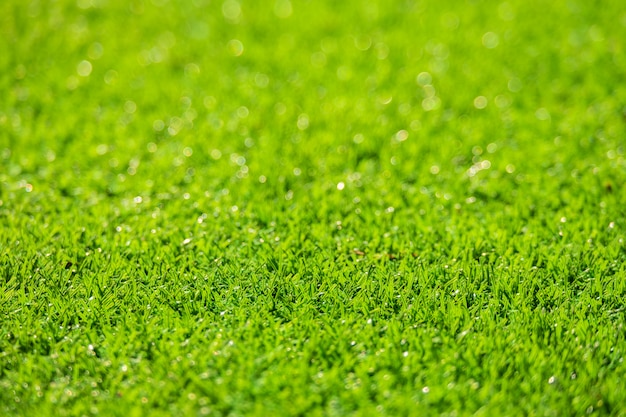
{"type": "Point", "coordinates": [312, 208]}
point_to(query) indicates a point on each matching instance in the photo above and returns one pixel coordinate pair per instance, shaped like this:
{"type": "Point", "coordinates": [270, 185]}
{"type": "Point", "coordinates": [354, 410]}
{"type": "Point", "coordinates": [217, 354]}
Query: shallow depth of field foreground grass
{"type": "Point", "coordinates": [312, 208]}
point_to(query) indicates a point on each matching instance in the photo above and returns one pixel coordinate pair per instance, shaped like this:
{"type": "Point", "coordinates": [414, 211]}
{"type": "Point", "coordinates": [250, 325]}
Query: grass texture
{"type": "Point", "coordinates": [233, 208]}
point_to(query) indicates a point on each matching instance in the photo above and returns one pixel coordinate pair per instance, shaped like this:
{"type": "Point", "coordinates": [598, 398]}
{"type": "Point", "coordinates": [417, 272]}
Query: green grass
{"type": "Point", "coordinates": [312, 208]}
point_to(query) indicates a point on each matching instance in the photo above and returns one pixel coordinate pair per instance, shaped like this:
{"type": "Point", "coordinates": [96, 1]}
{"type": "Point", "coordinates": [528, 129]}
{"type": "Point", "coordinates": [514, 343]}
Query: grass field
{"type": "Point", "coordinates": [234, 208]}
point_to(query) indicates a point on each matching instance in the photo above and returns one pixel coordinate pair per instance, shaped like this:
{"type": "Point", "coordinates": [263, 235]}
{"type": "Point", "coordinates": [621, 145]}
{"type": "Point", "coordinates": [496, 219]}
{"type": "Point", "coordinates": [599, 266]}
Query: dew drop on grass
{"type": "Point", "coordinates": [237, 159]}
{"type": "Point", "coordinates": [84, 68]}
{"type": "Point", "coordinates": [429, 91]}
{"type": "Point", "coordinates": [362, 42]}
{"type": "Point", "coordinates": [231, 10]}
{"type": "Point", "coordinates": [235, 47]}
{"type": "Point", "coordinates": [502, 101]}
{"type": "Point", "coordinates": [431, 103]}
{"type": "Point", "coordinates": [130, 107]}
{"type": "Point", "coordinates": [209, 102]}
{"type": "Point", "coordinates": [480, 102]}
{"type": "Point", "coordinates": [514, 85]}
{"type": "Point", "coordinates": [401, 135]}
{"type": "Point", "coordinates": [248, 142]}
{"type": "Point", "coordinates": [303, 121]}
{"type": "Point", "coordinates": [242, 112]}
{"type": "Point", "coordinates": [424, 78]}
{"type": "Point", "coordinates": [415, 125]}
{"type": "Point", "coordinates": [280, 108]}
{"type": "Point", "coordinates": [110, 77]}
{"type": "Point", "coordinates": [261, 80]}
{"type": "Point", "coordinates": [192, 69]}
{"type": "Point", "coordinates": [490, 40]}
{"type": "Point", "coordinates": [542, 114]}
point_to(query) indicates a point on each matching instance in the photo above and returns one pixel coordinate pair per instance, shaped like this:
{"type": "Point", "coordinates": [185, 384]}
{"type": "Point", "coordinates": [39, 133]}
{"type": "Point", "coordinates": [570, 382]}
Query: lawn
{"type": "Point", "coordinates": [235, 208]}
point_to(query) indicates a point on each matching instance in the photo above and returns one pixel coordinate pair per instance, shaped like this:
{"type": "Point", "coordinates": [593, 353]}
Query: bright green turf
{"type": "Point", "coordinates": [306, 208]}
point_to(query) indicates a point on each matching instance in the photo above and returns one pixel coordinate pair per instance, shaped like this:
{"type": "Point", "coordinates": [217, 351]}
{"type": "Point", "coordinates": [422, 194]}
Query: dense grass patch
{"type": "Point", "coordinates": [309, 208]}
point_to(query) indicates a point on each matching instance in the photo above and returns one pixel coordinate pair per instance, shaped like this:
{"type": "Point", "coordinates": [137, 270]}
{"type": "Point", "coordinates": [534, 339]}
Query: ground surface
{"type": "Point", "coordinates": [312, 208]}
